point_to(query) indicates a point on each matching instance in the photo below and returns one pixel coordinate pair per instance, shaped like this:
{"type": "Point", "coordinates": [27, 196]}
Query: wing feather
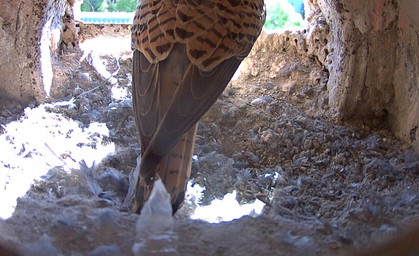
{"type": "Point", "coordinates": [185, 53]}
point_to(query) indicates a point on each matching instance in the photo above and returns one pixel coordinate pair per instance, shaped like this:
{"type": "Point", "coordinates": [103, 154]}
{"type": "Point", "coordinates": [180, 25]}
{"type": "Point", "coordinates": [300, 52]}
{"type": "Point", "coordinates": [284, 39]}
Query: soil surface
{"type": "Point", "coordinates": [328, 187]}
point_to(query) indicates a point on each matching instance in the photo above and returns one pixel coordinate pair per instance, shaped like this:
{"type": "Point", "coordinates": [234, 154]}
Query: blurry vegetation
{"type": "Point", "coordinates": [279, 18]}
{"type": "Point", "coordinates": [109, 5]}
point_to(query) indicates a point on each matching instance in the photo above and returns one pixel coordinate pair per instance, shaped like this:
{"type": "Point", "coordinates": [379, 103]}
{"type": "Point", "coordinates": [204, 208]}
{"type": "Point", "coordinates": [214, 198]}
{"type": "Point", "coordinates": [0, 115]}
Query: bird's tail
{"type": "Point", "coordinates": [174, 170]}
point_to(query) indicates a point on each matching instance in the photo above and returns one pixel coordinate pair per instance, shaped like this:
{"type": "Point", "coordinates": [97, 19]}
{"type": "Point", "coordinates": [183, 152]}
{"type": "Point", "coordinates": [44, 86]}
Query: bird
{"type": "Point", "coordinates": [184, 55]}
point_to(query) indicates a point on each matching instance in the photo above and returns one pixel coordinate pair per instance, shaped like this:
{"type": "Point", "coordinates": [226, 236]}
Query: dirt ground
{"type": "Point", "coordinates": [271, 136]}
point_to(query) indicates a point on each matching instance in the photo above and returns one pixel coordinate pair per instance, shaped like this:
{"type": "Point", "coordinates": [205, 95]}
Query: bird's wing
{"type": "Point", "coordinates": [186, 52]}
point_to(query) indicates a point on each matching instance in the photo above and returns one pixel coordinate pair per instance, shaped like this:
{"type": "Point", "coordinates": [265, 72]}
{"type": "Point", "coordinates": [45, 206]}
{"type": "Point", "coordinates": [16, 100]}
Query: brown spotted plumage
{"type": "Point", "coordinates": [185, 53]}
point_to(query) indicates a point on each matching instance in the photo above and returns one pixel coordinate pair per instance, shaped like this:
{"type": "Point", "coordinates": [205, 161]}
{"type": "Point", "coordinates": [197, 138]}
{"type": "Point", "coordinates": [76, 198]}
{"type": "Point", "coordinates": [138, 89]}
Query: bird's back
{"type": "Point", "coordinates": [185, 53]}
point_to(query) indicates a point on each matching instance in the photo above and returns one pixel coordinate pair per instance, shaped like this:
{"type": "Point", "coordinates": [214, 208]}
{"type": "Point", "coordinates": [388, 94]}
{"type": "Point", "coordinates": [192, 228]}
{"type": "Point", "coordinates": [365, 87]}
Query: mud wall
{"type": "Point", "coordinates": [26, 27]}
{"type": "Point", "coordinates": [374, 63]}
{"type": "Point", "coordinates": [405, 111]}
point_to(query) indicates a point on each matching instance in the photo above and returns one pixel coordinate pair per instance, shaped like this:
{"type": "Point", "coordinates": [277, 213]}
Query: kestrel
{"type": "Point", "coordinates": [185, 53]}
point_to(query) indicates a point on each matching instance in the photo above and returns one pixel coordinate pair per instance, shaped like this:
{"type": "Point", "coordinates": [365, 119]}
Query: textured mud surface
{"type": "Point", "coordinates": [271, 136]}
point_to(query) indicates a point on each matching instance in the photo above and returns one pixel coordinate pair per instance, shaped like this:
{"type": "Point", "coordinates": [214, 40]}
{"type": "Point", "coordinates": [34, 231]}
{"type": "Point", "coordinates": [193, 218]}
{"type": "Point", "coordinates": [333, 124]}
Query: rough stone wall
{"type": "Point", "coordinates": [405, 110]}
{"type": "Point", "coordinates": [374, 63]}
{"type": "Point", "coordinates": [24, 27]}
{"type": "Point", "coordinates": [298, 69]}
